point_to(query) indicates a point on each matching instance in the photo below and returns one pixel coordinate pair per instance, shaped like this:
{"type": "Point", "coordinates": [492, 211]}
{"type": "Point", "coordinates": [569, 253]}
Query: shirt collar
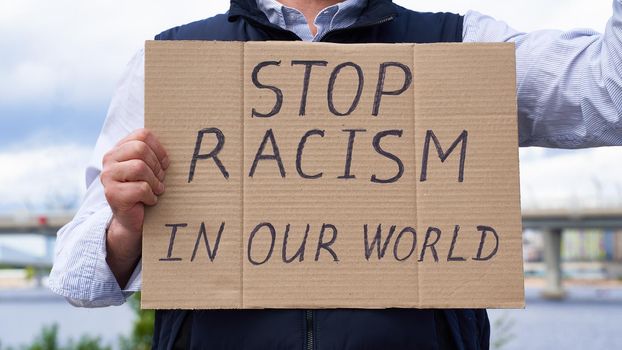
{"type": "Point", "coordinates": [346, 11]}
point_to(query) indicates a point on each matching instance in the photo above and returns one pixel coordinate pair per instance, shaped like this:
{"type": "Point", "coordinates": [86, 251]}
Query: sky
{"type": "Point", "coordinates": [60, 61]}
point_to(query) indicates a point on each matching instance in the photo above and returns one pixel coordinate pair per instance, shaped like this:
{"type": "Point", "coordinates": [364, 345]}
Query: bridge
{"type": "Point", "coordinates": [550, 222]}
{"type": "Point", "coordinates": [41, 225]}
{"type": "Point", "coordinates": [38, 224]}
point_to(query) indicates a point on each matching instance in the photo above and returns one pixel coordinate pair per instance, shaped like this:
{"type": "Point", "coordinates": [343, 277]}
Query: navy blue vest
{"type": "Point", "coordinates": [381, 22]}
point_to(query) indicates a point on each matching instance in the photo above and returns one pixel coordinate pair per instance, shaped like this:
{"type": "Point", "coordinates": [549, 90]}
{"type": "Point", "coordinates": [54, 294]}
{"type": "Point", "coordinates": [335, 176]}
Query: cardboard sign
{"type": "Point", "coordinates": [333, 176]}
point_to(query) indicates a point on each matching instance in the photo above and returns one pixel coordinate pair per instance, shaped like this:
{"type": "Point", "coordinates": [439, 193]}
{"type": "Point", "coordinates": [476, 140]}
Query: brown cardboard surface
{"type": "Point", "coordinates": [359, 170]}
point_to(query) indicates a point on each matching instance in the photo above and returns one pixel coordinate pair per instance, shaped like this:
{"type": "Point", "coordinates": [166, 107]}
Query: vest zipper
{"type": "Point", "coordinates": [371, 24]}
{"type": "Point", "coordinates": [309, 313]}
{"type": "Point", "coordinates": [310, 335]}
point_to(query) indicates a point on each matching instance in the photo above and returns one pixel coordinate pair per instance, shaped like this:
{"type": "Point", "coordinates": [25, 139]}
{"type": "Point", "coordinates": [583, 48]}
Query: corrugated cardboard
{"type": "Point", "coordinates": [390, 171]}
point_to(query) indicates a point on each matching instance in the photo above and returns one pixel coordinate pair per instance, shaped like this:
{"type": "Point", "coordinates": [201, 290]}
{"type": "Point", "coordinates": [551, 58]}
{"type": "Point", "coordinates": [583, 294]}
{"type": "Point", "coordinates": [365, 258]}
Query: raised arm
{"type": "Point", "coordinates": [569, 83]}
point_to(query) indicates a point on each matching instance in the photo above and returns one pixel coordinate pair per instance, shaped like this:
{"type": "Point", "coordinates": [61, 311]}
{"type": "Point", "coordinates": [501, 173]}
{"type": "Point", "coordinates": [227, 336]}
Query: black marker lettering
{"type": "Point", "coordinates": [377, 241]}
{"type": "Point", "coordinates": [305, 86]}
{"type": "Point", "coordinates": [171, 242]}
{"type": "Point", "coordinates": [450, 256]}
{"type": "Point", "coordinates": [279, 94]}
{"type": "Point", "coordinates": [484, 230]}
{"type": "Point", "coordinates": [331, 88]}
{"type": "Point", "coordinates": [408, 77]}
{"type": "Point", "coordinates": [203, 234]}
{"type": "Point", "coordinates": [346, 173]}
{"type": "Point", "coordinates": [326, 245]}
{"type": "Point", "coordinates": [393, 157]}
{"type": "Point", "coordinates": [301, 146]}
{"type": "Point", "coordinates": [250, 243]}
{"type": "Point", "coordinates": [213, 154]}
{"type": "Point", "coordinates": [397, 243]}
{"type": "Point", "coordinates": [300, 253]}
{"type": "Point", "coordinates": [427, 245]}
{"type": "Point", "coordinates": [443, 155]}
{"type": "Point", "coordinates": [269, 136]}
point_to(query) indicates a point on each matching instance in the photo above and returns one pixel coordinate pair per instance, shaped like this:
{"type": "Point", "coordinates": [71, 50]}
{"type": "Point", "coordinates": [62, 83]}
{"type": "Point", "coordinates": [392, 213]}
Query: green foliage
{"type": "Point", "coordinates": [31, 272]}
{"type": "Point", "coordinates": [48, 340]}
{"type": "Point", "coordinates": [140, 338]}
{"type": "Point", "coordinates": [142, 332]}
{"type": "Point", "coordinates": [3, 348]}
{"type": "Point", "coordinates": [87, 342]}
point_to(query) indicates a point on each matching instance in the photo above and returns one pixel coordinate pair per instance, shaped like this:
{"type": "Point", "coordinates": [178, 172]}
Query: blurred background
{"type": "Point", "coordinates": [60, 62]}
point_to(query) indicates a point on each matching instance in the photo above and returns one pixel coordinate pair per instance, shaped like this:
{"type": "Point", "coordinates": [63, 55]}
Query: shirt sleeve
{"type": "Point", "coordinates": [569, 83]}
{"type": "Point", "coordinates": [80, 272]}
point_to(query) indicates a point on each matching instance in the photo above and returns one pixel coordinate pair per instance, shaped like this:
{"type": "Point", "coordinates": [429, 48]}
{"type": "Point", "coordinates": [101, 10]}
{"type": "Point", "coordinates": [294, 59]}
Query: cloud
{"type": "Point", "coordinates": [61, 61]}
{"type": "Point", "coordinates": [71, 53]}
{"type": "Point", "coordinates": [575, 179]}
{"type": "Point", "coordinates": [41, 178]}
{"type": "Point", "coordinates": [527, 15]}
{"type": "Point", "coordinates": [48, 177]}
{"type": "Point", "coordinates": [50, 124]}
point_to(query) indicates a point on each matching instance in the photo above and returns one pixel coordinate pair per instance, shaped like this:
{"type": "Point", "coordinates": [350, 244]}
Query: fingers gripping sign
{"type": "Point", "coordinates": [133, 174]}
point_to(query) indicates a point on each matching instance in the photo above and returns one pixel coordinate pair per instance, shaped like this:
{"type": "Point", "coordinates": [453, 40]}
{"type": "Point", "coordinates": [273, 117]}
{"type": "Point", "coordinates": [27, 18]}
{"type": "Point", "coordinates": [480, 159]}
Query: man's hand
{"type": "Point", "coordinates": [132, 176]}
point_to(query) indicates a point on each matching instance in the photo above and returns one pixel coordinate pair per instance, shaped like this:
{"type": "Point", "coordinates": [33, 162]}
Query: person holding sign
{"type": "Point", "coordinates": [569, 94]}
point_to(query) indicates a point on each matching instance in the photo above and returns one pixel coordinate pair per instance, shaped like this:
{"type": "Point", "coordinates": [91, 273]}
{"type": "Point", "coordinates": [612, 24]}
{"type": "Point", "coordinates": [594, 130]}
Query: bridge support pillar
{"type": "Point", "coordinates": [553, 262]}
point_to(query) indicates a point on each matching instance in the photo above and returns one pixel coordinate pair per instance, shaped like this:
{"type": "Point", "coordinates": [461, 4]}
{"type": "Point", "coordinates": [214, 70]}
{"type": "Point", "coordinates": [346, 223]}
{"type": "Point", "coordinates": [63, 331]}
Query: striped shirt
{"type": "Point", "coordinates": [569, 96]}
{"type": "Point", "coordinates": [341, 15]}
